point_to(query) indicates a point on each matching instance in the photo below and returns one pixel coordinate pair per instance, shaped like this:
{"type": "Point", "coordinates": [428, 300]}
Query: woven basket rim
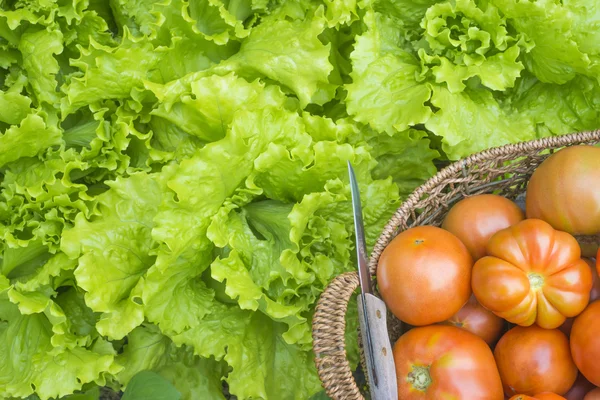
{"type": "Point", "coordinates": [329, 318]}
{"type": "Point", "coordinates": [547, 143]}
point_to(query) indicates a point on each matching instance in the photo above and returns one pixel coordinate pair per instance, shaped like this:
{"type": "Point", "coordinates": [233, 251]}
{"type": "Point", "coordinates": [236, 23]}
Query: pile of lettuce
{"type": "Point", "coordinates": [173, 184]}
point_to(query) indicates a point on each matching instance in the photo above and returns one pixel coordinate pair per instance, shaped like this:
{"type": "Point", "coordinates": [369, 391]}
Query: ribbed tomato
{"type": "Point", "coordinates": [445, 362]}
{"type": "Point", "coordinates": [475, 219]}
{"type": "Point", "coordinates": [424, 275]}
{"type": "Point", "coordinates": [533, 274]}
{"type": "Point", "coordinates": [563, 190]}
{"type": "Point", "coordinates": [476, 319]}
{"type": "Point", "coordinates": [534, 360]}
{"type": "Point", "coordinates": [594, 295]}
{"type": "Point", "coordinates": [585, 342]}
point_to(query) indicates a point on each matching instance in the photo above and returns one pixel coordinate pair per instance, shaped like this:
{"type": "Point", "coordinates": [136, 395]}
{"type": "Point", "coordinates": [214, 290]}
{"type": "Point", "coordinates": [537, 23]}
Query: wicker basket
{"type": "Point", "coordinates": [503, 170]}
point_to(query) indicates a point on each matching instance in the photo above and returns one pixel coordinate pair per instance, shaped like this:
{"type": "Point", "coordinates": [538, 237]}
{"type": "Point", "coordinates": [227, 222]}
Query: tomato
{"type": "Point", "coordinates": [534, 360]}
{"type": "Point", "coordinates": [443, 362]}
{"type": "Point", "coordinates": [533, 274]}
{"type": "Point", "coordinates": [594, 295]}
{"type": "Point", "coordinates": [476, 319]}
{"type": "Point", "coordinates": [563, 191]}
{"type": "Point", "coordinates": [475, 219]}
{"type": "Point", "coordinates": [579, 388]}
{"type": "Point", "coordinates": [593, 394]}
{"type": "Point", "coordinates": [585, 342]}
{"type": "Point", "coordinates": [424, 275]}
{"type": "Point", "coordinates": [539, 396]}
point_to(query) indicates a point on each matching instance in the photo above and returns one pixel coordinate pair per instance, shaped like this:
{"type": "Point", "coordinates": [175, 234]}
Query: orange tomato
{"type": "Point", "coordinates": [533, 274]}
{"type": "Point", "coordinates": [445, 362]}
{"type": "Point", "coordinates": [479, 321]}
{"type": "Point", "coordinates": [563, 190]}
{"type": "Point", "coordinates": [593, 394]}
{"type": "Point", "coordinates": [424, 275]}
{"type": "Point", "coordinates": [539, 396]}
{"type": "Point", "coordinates": [594, 295]}
{"type": "Point", "coordinates": [585, 342]}
{"type": "Point", "coordinates": [533, 360]}
{"type": "Point", "coordinates": [475, 219]}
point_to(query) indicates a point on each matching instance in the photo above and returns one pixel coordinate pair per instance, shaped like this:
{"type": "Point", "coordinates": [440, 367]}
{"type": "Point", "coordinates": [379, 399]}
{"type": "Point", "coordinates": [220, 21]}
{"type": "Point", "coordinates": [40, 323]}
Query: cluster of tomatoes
{"type": "Point", "coordinates": [498, 303]}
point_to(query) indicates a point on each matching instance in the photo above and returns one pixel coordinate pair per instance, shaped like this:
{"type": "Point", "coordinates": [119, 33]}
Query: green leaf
{"type": "Point", "coordinates": [14, 107]}
{"type": "Point", "coordinates": [148, 385]}
{"type": "Point", "coordinates": [38, 48]}
{"type": "Point", "coordinates": [192, 376]}
{"type": "Point", "coordinates": [556, 57]}
{"type": "Point", "coordinates": [115, 252]}
{"type": "Point", "coordinates": [289, 53]}
{"type": "Point", "coordinates": [28, 363]}
{"type": "Point", "coordinates": [472, 121]}
{"type": "Point", "coordinates": [385, 93]}
{"type": "Point", "coordinates": [406, 156]}
{"type": "Point", "coordinates": [28, 139]}
{"type": "Point", "coordinates": [263, 364]}
{"type": "Point", "coordinates": [561, 109]}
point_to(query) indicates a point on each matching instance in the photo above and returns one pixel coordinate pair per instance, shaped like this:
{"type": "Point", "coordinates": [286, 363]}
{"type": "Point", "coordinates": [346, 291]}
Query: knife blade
{"type": "Point", "coordinates": [372, 312]}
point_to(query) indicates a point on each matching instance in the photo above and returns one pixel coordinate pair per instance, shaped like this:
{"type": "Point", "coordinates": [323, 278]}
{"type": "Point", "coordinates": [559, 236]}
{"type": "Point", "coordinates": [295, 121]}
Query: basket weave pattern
{"type": "Point", "coordinates": [502, 170]}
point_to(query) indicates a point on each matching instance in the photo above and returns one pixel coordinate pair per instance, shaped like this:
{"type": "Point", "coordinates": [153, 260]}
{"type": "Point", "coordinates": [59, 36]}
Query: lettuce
{"type": "Point", "coordinates": [173, 184]}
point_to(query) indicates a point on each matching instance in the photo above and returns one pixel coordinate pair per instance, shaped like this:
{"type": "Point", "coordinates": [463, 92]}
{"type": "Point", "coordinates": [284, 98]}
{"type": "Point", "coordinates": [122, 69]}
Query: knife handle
{"type": "Point", "coordinates": [386, 387]}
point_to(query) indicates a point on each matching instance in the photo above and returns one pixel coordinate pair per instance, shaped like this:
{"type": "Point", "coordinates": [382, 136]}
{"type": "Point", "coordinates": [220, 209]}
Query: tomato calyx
{"type": "Point", "coordinates": [419, 377]}
{"type": "Point", "coordinates": [536, 281]}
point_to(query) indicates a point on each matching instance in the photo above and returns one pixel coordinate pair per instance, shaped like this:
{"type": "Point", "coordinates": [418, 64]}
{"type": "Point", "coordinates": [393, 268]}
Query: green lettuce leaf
{"type": "Point", "coordinates": [472, 121]}
{"type": "Point", "coordinates": [385, 92]}
{"type": "Point", "coordinates": [274, 50]}
{"type": "Point", "coordinates": [115, 252]}
{"type": "Point", "coordinates": [263, 364]}
{"type": "Point", "coordinates": [28, 139]}
{"type": "Point", "coordinates": [28, 364]}
{"type": "Point", "coordinates": [556, 57]}
{"type": "Point", "coordinates": [148, 350]}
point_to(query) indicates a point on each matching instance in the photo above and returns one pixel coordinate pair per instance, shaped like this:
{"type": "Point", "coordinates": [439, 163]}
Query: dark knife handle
{"type": "Point", "coordinates": [386, 387]}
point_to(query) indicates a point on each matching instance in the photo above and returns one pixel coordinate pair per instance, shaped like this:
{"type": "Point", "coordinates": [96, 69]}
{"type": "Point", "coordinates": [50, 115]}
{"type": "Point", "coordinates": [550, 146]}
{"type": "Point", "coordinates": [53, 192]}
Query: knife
{"type": "Point", "coordinates": [372, 313]}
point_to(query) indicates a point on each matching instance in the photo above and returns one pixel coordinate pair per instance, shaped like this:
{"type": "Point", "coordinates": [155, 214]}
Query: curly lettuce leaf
{"type": "Point", "coordinates": [290, 53]}
{"type": "Point", "coordinates": [465, 41]}
{"type": "Point", "coordinates": [149, 350]}
{"type": "Point", "coordinates": [29, 366]}
{"type": "Point", "coordinates": [31, 137]}
{"type": "Point", "coordinates": [472, 121]}
{"type": "Point", "coordinates": [115, 252]}
{"type": "Point", "coordinates": [561, 109]}
{"type": "Point", "coordinates": [262, 364]}
{"type": "Point", "coordinates": [556, 56]}
{"type": "Point", "coordinates": [385, 92]}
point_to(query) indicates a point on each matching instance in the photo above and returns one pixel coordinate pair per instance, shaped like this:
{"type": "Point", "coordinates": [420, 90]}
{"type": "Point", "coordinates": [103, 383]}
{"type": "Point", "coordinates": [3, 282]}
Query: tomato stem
{"type": "Point", "coordinates": [419, 377]}
{"type": "Point", "coordinates": [536, 280]}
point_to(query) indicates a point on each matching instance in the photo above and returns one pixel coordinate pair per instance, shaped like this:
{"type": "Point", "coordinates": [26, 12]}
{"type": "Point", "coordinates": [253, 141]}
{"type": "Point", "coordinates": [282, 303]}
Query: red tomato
{"type": "Point", "coordinates": [533, 274]}
{"type": "Point", "coordinates": [579, 388]}
{"type": "Point", "coordinates": [593, 394]}
{"type": "Point", "coordinates": [424, 275]}
{"type": "Point", "coordinates": [539, 396]}
{"type": "Point", "coordinates": [475, 219]}
{"type": "Point", "coordinates": [476, 319]}
{"type": "Point", "coordinates": [445, 362]}
{"type": "Point", "coordinates": [585, 342]}
{"type": "Point", "coordinates": [594, 295]}
{"type": "Point", "coordinates": [533, 360]}
{"type": "Point", "coordinates": [563, 190]}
